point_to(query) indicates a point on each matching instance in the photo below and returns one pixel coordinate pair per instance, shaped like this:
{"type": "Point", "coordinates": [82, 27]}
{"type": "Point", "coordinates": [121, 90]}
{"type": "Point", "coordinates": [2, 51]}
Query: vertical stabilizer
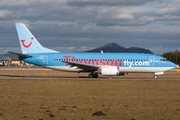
{"type": "Point", "coordinates": [28, 42]}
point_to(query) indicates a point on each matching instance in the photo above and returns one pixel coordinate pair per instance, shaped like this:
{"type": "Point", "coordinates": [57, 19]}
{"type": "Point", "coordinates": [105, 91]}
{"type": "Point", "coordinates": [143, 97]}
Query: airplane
{"type": "Point", "coordinates": [106, 64]}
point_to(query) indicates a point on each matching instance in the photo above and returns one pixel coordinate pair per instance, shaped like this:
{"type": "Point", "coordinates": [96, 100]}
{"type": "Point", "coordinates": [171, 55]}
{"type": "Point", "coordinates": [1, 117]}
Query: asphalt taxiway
{"type": "Point", "coordinates": [81, 78]}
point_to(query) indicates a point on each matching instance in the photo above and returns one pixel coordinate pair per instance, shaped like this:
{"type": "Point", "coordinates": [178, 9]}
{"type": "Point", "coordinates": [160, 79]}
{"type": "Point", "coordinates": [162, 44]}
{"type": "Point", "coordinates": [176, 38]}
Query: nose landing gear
{"type": "Point", "coordinates": [155, 76]}
{"type": "Point", "coordinates": [157, 73]}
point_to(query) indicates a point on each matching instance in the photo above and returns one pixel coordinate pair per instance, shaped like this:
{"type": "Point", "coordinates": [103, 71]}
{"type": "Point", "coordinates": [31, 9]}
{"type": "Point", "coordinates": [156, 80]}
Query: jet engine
{"type": "Point", "coordinates": [110, 71]}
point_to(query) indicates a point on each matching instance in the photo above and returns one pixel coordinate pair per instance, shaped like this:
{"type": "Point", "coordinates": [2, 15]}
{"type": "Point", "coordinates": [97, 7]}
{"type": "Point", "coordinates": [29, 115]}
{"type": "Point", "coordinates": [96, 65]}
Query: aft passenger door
{"type": "Point", "coordinates": [45, 60]}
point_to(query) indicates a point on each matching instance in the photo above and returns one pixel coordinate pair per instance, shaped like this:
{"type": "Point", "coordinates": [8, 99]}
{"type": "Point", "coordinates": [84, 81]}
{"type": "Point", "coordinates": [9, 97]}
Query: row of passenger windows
{"type": "Point", "coordinates": [97, 60]}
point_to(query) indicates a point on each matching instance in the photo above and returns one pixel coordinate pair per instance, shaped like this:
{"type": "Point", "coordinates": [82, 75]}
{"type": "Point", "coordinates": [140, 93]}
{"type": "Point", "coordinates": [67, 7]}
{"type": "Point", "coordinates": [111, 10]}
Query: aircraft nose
{"type": "Point", "coordinates": [173, 64]}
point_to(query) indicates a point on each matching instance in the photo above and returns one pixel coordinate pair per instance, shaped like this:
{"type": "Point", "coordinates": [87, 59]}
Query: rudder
{"type": "Point", "coordinates": [28, 42]}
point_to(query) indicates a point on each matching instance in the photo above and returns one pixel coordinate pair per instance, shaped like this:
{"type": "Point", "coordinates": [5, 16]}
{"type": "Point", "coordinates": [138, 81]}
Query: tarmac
{"type": "Point", "coordinates": [82, 78]}
{"type": "Point", "coordinates": [77, 78]}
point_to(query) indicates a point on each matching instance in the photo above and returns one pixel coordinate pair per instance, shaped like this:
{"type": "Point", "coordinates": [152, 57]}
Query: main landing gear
{"type": "Point", "coordinates": [93, 75]}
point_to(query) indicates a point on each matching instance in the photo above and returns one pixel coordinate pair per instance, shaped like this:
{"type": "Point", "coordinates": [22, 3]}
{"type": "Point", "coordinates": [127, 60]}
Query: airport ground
{"type": "Point", "coordinates": [78, 99]}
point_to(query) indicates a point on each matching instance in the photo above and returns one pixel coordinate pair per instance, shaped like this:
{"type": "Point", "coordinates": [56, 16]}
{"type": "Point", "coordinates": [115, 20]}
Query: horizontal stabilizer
{"type": "Point", "coordinates": [19, 54]}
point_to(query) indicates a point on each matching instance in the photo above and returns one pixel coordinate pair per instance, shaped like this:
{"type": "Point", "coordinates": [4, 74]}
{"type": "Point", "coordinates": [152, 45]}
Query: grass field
{"type": "Point", "coordinates": [73, 99]}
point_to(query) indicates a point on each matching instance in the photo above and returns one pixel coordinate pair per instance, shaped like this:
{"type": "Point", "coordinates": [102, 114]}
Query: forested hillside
{"type": "Point", "coordinates": [173, 56]}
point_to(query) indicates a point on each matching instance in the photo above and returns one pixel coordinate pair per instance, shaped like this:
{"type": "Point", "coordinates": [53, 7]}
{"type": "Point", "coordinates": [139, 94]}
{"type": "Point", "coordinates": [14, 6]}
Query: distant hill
{"type": "Point", "coordinates": [113, 47]}
{"type": "Point", "coordinates": [108, 48]}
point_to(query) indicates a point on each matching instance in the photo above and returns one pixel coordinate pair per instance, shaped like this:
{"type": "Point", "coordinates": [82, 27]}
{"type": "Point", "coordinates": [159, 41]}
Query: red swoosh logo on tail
{"type": "Point", "coordinates": [26, 46]}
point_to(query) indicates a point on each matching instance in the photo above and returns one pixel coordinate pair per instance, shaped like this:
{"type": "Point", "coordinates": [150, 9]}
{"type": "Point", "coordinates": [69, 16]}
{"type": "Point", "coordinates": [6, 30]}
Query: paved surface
{"type": "Point", "coordinates": [78, 78]}
{"type": "Point", "coordinates": [81, 78]}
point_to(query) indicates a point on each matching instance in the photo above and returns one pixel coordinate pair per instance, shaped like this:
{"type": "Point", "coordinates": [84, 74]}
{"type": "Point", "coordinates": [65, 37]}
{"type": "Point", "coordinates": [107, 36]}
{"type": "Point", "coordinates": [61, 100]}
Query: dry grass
{"type": "Point", "coordinates": [79, 99]}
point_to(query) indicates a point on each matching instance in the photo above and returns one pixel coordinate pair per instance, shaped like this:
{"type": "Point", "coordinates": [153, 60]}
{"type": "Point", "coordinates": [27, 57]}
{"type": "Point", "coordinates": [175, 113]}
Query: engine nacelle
{"type": "Point", "coordinates": [110, 71]}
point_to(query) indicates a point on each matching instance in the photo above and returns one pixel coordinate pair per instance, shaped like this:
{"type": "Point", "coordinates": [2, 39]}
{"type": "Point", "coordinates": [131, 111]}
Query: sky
{"type": "Point", "coordinates": [79, 25]}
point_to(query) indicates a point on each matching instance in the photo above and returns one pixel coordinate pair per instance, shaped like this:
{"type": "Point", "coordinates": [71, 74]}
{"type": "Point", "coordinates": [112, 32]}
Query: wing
{"type": "Point", "coordinates": [85, 67]}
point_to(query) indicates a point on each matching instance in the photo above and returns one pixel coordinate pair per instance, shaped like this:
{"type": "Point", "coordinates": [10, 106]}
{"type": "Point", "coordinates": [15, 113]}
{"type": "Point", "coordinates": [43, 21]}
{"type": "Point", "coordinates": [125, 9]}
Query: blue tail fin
{"type": "Point", "coordinates": [28, 42]}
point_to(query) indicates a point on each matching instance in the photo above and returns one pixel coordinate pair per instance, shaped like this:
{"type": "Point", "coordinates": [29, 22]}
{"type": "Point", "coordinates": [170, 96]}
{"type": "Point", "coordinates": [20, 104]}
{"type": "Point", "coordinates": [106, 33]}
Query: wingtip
{"type": "Point", "coordinates": [6, 51]}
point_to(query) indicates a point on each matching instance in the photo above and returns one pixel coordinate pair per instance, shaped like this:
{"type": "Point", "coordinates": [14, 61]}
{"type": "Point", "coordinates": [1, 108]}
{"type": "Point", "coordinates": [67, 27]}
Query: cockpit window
{"type": "Point", "coordinates": [163, 60]}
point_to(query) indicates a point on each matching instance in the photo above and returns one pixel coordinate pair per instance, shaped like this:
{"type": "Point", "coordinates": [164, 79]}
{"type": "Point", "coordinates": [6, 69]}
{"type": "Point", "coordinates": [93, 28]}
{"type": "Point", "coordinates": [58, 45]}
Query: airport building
{"type": "Point", "coordinates": [5, 62]}
{"type": "Point", "coordinates": [14, 62]}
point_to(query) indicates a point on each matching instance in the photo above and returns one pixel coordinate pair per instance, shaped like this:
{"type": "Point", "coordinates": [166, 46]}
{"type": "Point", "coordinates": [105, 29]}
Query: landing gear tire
{"type": "Point", "coordinates": [155, 77]}
{"type": "Point", "coordinates": [90, 76]}
{"type": "Point", "coordinates": [93, 75]}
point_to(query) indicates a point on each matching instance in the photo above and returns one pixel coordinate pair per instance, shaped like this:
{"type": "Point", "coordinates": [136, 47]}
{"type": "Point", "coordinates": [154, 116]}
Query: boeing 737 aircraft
{"type": "Point", "coordinates": [107, 64]}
